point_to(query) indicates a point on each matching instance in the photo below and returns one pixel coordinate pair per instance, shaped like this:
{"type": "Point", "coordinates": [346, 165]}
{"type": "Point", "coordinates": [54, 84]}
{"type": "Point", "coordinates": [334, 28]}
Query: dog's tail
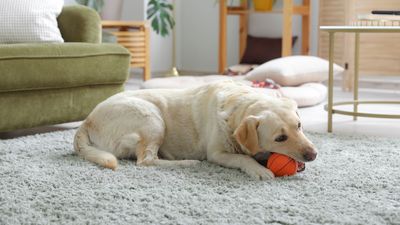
{"type": "Point", "coordinates": [84, 148]}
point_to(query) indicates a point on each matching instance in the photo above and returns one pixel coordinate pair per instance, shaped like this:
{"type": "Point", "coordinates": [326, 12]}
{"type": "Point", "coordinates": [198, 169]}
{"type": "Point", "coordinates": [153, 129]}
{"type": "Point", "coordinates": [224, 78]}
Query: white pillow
{"type": "Point", "coordinates": [308, 94]}
{"type": "Point", "coordinates": [293, 70]}
{"type": "Point", "coordinates": [25, 21]}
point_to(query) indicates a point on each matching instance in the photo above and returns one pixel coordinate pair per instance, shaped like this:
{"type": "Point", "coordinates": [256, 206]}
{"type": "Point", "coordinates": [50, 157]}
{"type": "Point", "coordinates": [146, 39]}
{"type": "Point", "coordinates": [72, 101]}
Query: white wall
{"type": "Point", "coordinates": [314, 27]}
{"type": "Point", "coordinates": [198, 31]}
{"type": "Point", "coordinates": [134, 10]}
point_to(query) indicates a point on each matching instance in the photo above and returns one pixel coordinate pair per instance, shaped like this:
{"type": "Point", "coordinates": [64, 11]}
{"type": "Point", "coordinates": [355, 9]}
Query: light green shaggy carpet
{"type": "Point", "coordinates": [355, 180]}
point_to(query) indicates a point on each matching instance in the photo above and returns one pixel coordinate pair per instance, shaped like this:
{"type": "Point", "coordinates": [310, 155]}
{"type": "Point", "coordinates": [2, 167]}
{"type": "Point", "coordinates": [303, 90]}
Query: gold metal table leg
{"type": "Point", "coordinates": [330, 82]}
{"type": "Point", "coordinates": [356, 63]}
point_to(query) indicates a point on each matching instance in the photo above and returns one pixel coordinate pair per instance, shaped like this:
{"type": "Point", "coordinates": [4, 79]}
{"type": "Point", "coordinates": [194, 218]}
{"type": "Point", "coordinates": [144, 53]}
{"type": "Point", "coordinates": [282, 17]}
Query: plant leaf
{"type": "Point", "coordinates": [94, 4]}
{"type": "Point", "coordinates": [160, 14]}
{"type": "Point", "coordinates": [167, 6]}
{"type": "Point", "coordinates": [171, 22]}
{"type": "Point", "coordinates": [155, 25]}
{"type": "Point", "coordinates": [164, 25]}
{"type": "Point", "coordinates": [151, 12]}
{"type": "Point", "coordinates": [81, 2]}
{"type": "Point", "coordinates": [152, 8]}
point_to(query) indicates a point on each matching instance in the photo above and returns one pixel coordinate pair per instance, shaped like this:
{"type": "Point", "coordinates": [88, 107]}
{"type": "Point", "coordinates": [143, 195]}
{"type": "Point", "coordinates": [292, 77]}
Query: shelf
{"type": "Point", "coordinates": [289, 9]}
{"type": "Point", "coordinates": [301, 10]}
{"type": "Point", "coordinates": [236, 10]}
{"type": "Point", "coordinates": [126, 24]}
{"type": "Point", "coordinates": [135, 37]}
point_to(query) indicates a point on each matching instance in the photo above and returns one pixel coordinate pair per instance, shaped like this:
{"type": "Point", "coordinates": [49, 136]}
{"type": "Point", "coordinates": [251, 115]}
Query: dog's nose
{"type": "Point", "coordinates": [310, 155]}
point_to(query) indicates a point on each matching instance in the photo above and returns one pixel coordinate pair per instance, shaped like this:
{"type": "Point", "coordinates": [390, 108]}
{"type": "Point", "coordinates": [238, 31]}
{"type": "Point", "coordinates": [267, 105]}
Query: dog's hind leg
{"type": "Point", "coordinates": [127, 145]}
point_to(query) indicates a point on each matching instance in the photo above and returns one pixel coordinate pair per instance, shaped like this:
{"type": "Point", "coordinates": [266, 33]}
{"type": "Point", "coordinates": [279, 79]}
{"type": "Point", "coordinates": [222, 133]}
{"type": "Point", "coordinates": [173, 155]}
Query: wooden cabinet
{"type": "Point", "coordinates": [134, 36]}
{"type": "Point", "coordinates": [289, 9]}
{"type": "Point", "coordinates": [379, 53]}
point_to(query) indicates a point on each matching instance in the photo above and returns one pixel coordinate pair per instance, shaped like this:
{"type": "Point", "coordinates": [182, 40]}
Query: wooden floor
{"type": "Point", "coordinates": [313, 118]}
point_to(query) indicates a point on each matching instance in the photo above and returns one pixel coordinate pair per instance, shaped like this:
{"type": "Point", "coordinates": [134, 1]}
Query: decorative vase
{"type": "Point", "coordinates": [112, 10]}
{"type": "Point", "coordinates": [263, 5]}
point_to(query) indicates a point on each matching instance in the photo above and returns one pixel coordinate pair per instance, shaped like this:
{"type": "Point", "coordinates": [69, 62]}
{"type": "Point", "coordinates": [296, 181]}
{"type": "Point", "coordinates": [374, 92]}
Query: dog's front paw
{"type": "Point", "coordinates": [259, 173]}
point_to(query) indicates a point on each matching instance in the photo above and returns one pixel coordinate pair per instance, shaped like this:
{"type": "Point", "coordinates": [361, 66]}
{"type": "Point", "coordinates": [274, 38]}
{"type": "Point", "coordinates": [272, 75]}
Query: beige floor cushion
{"type": "Point", "coordinates": [308, 94]}
{"type": "Point", "coordinates": [305, 95]}
{"type": "Point", "coordinates": [188, 81]}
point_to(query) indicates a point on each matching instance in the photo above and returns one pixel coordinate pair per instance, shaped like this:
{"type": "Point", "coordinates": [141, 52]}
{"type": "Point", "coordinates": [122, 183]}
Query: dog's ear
{"type": "Point", "coordinates": [246, 134]}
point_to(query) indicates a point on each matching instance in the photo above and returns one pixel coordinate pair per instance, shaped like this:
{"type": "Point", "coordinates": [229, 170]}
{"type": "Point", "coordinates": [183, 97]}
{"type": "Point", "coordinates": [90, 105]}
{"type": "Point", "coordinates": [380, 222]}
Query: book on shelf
{"type": "Point", "coordinates": [377, 20]}
{"type": "Point", "coordinates": [386, 12]}
{"type": "Point", "coordinates": [377, 17]}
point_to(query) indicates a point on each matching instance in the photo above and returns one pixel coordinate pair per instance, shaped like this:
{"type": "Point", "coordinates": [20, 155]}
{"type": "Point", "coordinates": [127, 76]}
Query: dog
{"type": "Point", "coordinates": [224, 122]}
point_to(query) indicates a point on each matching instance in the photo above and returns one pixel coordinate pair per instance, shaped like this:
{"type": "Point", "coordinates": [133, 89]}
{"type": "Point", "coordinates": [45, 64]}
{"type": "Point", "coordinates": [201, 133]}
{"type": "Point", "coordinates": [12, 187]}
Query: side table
{"type": "Point", "coordinates": [135, 36]}
{"type": "Point", "coordinates": [355, 113]}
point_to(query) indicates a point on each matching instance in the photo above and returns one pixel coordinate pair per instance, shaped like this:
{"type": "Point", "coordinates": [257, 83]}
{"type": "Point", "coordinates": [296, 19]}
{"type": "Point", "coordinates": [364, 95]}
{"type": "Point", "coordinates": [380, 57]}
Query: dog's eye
{"type": "Point", "coordinates": [281, 138]}
{"type": "Point", "coordinates": [299, 125]}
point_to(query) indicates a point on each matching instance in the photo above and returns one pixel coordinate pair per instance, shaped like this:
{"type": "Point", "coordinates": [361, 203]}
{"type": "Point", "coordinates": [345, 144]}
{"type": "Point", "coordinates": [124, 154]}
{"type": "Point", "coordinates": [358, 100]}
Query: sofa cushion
{"type": "Point", "coordinates": [46, 66]}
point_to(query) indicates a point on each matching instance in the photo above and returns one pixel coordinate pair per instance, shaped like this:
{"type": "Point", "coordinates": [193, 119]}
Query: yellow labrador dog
{"type": "Point", "coordinates": [225, 123]}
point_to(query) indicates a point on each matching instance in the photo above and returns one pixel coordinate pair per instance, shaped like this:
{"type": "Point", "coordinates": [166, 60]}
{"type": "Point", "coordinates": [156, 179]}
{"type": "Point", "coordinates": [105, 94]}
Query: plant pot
{"type": "Point", "coordinates": [263, 5]}
{"type": "Point", "coordinates": [112, 10]}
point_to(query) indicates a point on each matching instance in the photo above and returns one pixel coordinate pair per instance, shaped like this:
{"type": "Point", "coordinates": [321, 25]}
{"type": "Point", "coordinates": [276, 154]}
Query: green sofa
{"type": "Point", "coordinates": [44, 84]}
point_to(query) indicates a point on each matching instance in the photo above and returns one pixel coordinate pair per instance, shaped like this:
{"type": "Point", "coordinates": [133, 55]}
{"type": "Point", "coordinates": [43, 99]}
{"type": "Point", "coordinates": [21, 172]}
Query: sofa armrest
{"type": "Point", "coordinates": [80, 24]}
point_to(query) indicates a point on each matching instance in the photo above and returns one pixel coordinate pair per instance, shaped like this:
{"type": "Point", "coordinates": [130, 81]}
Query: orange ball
{"type": "Point", "coordinates": [282, 165]}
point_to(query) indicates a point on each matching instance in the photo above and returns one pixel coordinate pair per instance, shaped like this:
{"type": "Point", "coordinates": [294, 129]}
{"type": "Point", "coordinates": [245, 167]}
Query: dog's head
{"type": "Point", "coordinates": [275, 128]}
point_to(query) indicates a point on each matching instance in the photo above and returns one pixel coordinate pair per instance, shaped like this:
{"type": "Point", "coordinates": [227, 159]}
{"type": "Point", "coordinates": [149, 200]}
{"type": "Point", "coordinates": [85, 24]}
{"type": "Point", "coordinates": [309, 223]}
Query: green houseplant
{"type": "Point", "coordinates": [159, 12]}
{"type": "Point", "coordinates": [94, 4]}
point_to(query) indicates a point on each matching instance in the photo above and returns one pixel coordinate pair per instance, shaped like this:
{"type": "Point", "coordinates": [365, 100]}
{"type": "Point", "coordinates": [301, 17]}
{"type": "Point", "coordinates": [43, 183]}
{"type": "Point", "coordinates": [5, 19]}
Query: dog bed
{"type": "Point", "coordinates": [188, 81]}
{"type": "Point", "coordinates": [307, 94]}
